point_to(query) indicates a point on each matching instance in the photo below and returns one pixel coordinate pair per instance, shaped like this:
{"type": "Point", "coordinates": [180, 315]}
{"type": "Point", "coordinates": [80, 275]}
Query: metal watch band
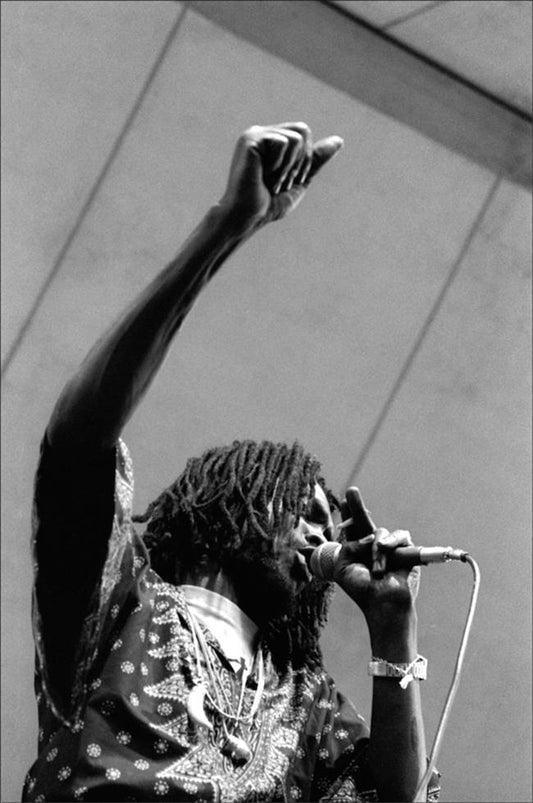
{"type": "Point", "coordinates": [385, 669]}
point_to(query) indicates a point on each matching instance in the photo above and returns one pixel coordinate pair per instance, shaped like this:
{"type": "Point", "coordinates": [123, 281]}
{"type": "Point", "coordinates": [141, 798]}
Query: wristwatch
{"type": "Point", "coordinates": [379, 668]}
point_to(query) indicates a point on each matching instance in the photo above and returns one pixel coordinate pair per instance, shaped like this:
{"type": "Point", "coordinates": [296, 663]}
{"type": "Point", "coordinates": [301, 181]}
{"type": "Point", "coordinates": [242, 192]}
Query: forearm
{"type": "Point", "coordinates": [272, 167]}
{"type": "Point", "coordinates": [397, 742]}
{"type": "Point", "coordinates": [97, 402]}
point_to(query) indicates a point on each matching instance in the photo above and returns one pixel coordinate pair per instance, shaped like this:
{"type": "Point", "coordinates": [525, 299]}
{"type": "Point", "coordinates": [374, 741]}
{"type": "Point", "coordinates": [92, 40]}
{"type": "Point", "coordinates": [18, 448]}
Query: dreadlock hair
{"type": "Point", "coordinates": [243, 494]}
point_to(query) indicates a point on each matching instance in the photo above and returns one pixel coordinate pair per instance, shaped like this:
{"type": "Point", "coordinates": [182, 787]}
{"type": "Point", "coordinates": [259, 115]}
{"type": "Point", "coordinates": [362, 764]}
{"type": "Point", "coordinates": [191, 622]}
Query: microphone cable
{"type": "Point", "coordinates": [455, 679]}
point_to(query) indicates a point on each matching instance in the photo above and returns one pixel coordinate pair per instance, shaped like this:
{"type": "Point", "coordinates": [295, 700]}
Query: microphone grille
{"type": "Point", "coordinates": [323, 559]}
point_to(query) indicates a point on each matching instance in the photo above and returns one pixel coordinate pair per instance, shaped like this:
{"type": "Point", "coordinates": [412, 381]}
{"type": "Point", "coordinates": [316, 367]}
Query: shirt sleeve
{"type": "Point", "coordinates": [346, 789]}
{"type": "Point", "coordinates": [342, 751]}
{"type": "Point", "coordinates": [341, 768]}
{"type": "Point", "coordinates": [82, 550]}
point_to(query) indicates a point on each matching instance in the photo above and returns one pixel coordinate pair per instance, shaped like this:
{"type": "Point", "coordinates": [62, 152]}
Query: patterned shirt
{"type": "Point", "coordinates": [118, 727]}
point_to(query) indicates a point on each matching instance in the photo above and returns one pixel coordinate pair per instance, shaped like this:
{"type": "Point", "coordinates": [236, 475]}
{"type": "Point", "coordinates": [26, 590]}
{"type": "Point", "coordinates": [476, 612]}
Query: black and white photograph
{"type": "Point", "coordinates": [266, 401]}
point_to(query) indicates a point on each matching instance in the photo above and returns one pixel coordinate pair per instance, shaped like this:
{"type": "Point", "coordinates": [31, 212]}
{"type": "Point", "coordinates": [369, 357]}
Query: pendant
{"type": "Point", "coordinates": [237, 749]}
{"type": "Point", "coordinates": [195, 707]}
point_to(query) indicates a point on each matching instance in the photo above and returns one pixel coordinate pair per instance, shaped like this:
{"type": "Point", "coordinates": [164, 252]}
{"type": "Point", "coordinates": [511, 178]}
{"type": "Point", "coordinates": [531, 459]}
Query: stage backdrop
{"type": "Point", "coordinates": [385, 324]}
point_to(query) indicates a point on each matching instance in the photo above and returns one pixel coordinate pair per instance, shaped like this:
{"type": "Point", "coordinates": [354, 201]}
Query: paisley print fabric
{"type": "Point", "coordinates": [118, 728]}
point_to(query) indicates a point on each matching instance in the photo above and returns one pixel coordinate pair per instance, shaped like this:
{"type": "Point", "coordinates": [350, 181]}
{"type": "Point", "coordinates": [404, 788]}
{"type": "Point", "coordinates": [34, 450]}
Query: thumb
{"type": "Point", "coordinates": [323, 151]}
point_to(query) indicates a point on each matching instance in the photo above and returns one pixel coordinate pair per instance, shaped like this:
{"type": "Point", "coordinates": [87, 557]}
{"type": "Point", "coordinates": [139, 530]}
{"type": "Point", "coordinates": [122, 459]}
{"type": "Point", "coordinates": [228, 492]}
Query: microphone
{"type": "Point", "coordinates": [322, 560]}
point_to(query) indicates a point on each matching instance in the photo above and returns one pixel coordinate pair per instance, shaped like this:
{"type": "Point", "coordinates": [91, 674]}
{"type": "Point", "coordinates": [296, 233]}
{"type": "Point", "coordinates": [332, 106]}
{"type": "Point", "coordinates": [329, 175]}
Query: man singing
{"type": "Point", "coordinates": [184, 663]}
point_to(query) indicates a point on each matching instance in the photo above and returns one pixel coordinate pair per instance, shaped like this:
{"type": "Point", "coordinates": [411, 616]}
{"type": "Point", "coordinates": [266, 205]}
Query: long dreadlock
{"type": "Point", "coordinates": [245, 493]}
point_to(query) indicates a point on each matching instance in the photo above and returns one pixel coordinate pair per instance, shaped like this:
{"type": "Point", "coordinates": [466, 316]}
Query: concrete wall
{"type": "Point", "coordinates": [385, 324]}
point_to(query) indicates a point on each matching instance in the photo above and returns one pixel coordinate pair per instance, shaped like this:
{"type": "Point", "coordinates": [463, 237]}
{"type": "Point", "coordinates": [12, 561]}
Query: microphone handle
{"type": "Point", "coordinates": [405, 557]}
{"type": "Point", "coordinates": [322, 561]}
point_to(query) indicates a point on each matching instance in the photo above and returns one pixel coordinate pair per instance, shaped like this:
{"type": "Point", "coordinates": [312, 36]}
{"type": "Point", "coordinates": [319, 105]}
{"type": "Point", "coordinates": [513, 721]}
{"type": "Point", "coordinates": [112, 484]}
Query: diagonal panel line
{"type": "Point", "coordinates": [427, 61]}
{"type": "Point", "coordinates": [94, 191]}
{"type": "Point", "coordinates": [422, 334]}
{"type": "Point", "coordinates": [411, 14]}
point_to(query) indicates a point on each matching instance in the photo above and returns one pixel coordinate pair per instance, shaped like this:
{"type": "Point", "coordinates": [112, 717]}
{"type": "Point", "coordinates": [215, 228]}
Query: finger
{"type": "Point", "coordinates": [305, 166]}
{"type": "Point", "coordinates": [323, 151]}
{"type": "Point", "coordinates": [384, 544]}
{"type": "Point", "coordinates": [292, 159]}
{"type": "Point", "coordinates": [354, 507]}
{"type": "Point", "coordinates": [292, 178]}
{"type": "Point", "coordinates": [394, 540]}
{"type": "Point", "coordinates": [299, 128]}
{"type": "Point", "coordinates": [304, 134]}
{"type": "Point", "coordinates": [272, 147]}
{"type": "Point", "coordinates": [302, 165]}
{"type": "Point", "coordinates": [379, 558]}
{"type": "Point", "coordinates": [300, 176]}
{"type": "Point", "coordinates": [358, 551]}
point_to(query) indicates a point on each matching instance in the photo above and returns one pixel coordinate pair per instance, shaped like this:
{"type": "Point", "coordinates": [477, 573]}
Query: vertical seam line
{"type": "Point", "coordinates": [419, 340]}
{"type": "Point", "coordinates": [93, 193]}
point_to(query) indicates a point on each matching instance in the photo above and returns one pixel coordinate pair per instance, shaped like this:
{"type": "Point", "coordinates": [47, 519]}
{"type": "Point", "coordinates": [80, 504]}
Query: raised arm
{"type": "Point", "coordinates": [270, 171]}
{"type": "Point", "coordinates": [74, 494]}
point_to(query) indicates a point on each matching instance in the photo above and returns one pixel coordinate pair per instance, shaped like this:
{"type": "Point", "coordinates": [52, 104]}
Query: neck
{"type": "Point", "coordinates": [219, 583]}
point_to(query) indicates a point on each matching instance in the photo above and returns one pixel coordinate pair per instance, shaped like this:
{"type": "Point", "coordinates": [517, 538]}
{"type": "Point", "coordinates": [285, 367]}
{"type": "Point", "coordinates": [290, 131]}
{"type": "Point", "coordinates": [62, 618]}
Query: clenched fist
{"type": "Point", "coordinates": [271, 169]}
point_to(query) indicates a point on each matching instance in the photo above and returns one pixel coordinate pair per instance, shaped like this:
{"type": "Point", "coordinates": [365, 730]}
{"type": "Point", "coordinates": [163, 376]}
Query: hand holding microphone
{"type": "Point", "coordinates": [324, 559]}
{"type": "Point", "coordinates": [365, 563]}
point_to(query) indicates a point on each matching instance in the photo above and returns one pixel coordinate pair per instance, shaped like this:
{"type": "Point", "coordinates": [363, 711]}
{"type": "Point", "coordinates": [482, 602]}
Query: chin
{"type": "Point", "coordinates": [265, 591]}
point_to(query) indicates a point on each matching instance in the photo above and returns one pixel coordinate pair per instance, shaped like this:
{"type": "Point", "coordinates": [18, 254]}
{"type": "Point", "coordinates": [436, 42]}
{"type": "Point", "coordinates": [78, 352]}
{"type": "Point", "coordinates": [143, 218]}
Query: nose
{"type": "Point", "coordinates": [308, 534]}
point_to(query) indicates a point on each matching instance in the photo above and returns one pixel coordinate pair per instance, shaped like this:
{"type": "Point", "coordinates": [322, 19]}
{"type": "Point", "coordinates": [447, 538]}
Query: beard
{"type": "Point", "coordinates": [266, 585]}
{"type": "Point", "coordinates": [273, 589]}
